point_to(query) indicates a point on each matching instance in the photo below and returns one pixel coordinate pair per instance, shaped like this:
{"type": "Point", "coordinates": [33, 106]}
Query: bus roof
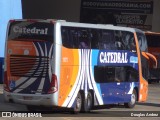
{"type": "Point", "coordinates": [84, 25]}
{"type": "Point", "coordinates": [99, 26]}
{"type": "Point", "coordinates": [35, 20]}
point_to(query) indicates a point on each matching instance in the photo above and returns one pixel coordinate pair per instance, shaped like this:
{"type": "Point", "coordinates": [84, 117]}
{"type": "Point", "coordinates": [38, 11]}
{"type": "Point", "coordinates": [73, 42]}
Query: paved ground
{"type": "Point", "coordinates": [1, 89]}
{"type": "Point", "coordinates": [152, 104]}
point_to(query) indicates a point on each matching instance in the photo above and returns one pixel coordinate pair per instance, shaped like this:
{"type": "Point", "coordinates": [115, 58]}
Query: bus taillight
{"type": "Point", "coordinates": [6, 84]}
{"type": "Point", "coordinates": [54, 85]}
{"type": "Point", "coordinates": [11, 21]}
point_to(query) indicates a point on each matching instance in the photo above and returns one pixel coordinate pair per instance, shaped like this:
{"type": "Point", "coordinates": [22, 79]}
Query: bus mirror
{"type": "Point", "coordinates": [150, 57]}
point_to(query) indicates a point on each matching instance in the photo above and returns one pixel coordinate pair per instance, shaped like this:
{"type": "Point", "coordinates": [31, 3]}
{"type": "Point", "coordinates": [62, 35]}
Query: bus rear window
{"type": "Point", "coordinates": [24, 30]}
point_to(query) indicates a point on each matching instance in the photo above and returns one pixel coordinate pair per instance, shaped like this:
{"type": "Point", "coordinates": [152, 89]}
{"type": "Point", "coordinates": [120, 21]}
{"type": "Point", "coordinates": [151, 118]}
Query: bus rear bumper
{"type": "Point", "coordinates": [34, 99]}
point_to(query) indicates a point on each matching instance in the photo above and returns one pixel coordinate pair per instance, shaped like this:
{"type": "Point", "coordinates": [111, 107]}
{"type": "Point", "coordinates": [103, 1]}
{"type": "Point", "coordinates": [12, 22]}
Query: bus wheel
{"type": "Point", "coordinates": [78, 103]}
{"type": "Point", "coordinates": [89, 102]}
{"type": "Point", "coordinates": [132, 103]}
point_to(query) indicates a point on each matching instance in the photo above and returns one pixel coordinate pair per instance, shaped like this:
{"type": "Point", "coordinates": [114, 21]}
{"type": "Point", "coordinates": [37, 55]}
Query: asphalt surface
{"type": "Point", "coordinates": [151, 107]}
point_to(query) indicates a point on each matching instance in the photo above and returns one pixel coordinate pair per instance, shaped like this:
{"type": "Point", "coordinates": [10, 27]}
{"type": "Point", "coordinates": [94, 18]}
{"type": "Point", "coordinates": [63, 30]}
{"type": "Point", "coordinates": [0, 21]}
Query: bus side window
{"type": "Point", "coordinates": [128, 41]}
{"type": "Point", "coordinates": [131, 74]}
{"type": "Point", "coordinates": [74, 39]}
{"type": "Point", "coordinates": [118, 40]}
{"type": "Point", "coordinates": [120, 74]}
{"type": "Point", "coordinates": [95, 38]}
{"type": "Point", "coordinates": [142, 42]}
{"type": "Point", "coordinates": [84, 39]}
{"type": "Point", "coordinates": [69, 37]}
{"type": "Point", "coordinates": [107, 40]}
{"type": "Point", "coordinates": [132, 44]}
{"type": "Point", "coordinates": [65, 38]}
{"type": "Point", "coordinates": [104, 74]}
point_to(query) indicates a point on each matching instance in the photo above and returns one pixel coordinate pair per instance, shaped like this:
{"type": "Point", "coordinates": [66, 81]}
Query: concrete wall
{"type": "Point", "coordinates": [156, 16]}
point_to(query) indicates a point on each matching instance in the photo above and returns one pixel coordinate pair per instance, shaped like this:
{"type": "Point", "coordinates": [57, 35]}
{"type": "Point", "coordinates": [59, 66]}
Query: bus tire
{"type": "Point", "coordinates": [132, 103]}
{"type": "Point", "coordinates": [88, 103]}
{"type": "Point", "coordinates": [78, 103]}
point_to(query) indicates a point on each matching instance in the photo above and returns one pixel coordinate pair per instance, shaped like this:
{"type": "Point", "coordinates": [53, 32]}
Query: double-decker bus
{"type": "Point", "coordinates": [74, 65]}
{"type": "Point", "coordinates": [153, 40]}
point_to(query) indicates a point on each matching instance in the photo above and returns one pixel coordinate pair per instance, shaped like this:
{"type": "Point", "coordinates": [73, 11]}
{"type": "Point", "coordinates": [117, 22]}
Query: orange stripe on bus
{"type": "Point", "coordinates": [69, 71]}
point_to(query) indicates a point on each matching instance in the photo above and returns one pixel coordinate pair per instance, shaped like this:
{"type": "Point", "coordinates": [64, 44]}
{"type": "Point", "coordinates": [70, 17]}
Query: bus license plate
{"type": "Point", "coordinates": [27, 97]}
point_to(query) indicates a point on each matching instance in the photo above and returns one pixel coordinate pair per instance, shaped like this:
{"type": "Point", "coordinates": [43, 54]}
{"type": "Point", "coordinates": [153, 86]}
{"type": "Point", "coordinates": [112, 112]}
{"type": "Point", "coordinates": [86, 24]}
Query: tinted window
{"type": "Point", "coordinates": [144, 48]}
{"type": "Point", "coordinates": [70, 37]}
{"type": "Point", "coordinates": [105, 74]}
{"type": "Point", "coordinates": [30, 31]}
{"type": "Point", "coordinates": [86, 38]}
{"type": "Point", "coordinates": [145, 67]}
{"type": "Point", "coordinates": [107, 41]}
{"type": "Point", "coordinates": [73, 37]}
{"type": "Point", "coordinates": [128, 41]}
{"type": "Point", "coordinates": [142, 42]}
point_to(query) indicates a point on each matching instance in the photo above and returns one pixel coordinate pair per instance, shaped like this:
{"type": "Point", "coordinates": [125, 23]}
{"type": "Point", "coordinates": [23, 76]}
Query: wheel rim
{"type": "Point", "coordinates": [133, 99]}
{"type": "Point", "coordinates": [78, 103]}
{"type": "Point", "coordinates": [89, 102]}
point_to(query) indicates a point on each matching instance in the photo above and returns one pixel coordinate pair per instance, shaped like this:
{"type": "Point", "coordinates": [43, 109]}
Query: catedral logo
{"type": "Point", "coordinates": [34, 30]}
{"type": "Point", "coordinates": [113, 57]}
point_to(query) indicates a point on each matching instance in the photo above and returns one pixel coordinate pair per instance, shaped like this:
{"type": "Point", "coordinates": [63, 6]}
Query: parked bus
{"type": "Point", "coordinates": [153, 39]}
{"type": "Point", "coordinates": [74, 65]}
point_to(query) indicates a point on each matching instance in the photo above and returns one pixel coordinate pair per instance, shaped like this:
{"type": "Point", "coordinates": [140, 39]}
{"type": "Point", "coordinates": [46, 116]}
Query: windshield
{"type": "Point", "coordinates": [142, 42]}
{"type": "Point", "coordinates": [25, 30]}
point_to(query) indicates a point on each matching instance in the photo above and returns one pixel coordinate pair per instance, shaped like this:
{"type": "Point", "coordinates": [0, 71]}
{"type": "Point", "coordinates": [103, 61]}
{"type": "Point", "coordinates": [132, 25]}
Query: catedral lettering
{"type": "Point", "coordinates": [113, 57]}
{"type": "Point", "coordinates": [33, 30]}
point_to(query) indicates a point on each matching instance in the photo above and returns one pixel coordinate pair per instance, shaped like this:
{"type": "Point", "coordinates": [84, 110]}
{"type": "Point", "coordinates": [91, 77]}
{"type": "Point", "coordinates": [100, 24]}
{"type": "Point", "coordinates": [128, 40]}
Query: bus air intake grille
{"type": "Point", "coordinates": [29, 66]}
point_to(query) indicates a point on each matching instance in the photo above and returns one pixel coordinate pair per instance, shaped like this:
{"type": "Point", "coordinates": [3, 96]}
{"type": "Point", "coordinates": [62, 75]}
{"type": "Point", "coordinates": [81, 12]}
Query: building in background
{"type": "Point", "coordinates": [137, 13]}
{"type": "Point", "coordinates": [148, 14]}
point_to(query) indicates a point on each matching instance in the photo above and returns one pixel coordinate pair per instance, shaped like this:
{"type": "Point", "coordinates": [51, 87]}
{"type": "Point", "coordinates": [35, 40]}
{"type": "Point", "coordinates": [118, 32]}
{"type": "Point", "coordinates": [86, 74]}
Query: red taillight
{"type": "Point", "coordinates": [6, 82]}
{"type": "Point", "coordinates": [54, 84]}
{"type": "Point", "coordinates": [11, 21]}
